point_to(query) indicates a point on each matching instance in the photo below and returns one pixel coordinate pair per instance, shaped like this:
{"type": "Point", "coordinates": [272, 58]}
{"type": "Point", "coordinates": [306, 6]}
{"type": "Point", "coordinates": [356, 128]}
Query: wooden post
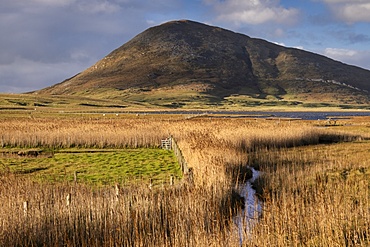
{"type": "Point", "coordinates": [68, 199]}
{"type": "Point", "coordinates": [25, 208]}
{"type": "Point", "coordinates": [191, 176]}
{"type": "Point", "coordinates": [75, 176]}
{"type": "Point", "coordinates": [117, 191]}
{"type": "Point", "coordinates": [150, 183]}
{"type": "Point", "coordinates": [171, 180]}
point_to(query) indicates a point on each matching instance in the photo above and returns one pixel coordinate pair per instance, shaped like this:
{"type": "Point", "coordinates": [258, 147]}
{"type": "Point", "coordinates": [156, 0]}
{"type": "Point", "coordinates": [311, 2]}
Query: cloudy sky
{"type": "Point", "coordinates": [43, 42]}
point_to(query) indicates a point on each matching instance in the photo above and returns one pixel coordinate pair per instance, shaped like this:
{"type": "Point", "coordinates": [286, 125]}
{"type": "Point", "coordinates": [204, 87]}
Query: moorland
{"type": "Point", "coordinates": [314, 183]}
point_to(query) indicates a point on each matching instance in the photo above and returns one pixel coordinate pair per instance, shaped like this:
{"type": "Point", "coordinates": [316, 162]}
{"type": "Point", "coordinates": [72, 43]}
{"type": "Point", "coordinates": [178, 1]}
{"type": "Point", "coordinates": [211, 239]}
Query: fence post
{"type": "Point", "coordinates": [75, 176]}
{"type": "Point", "coordinates": [150, 183]}
{"type": "Point", "coordinates": [190, 176]}
{"type": "Point", "coordinates": [68, 199]}
{"type": "Point", "coordinates": [180, 157]}
{"type": "Point", "coordinates": [171, 180]}
{"type": "Point", "coordinates": [117, 191]}
{"type": "Point", "coordinates": [25, 208]}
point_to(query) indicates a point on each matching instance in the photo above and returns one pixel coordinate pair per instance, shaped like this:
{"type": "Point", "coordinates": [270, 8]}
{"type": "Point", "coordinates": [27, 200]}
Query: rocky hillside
{"type": "Point", "coordinates": [181, 62]}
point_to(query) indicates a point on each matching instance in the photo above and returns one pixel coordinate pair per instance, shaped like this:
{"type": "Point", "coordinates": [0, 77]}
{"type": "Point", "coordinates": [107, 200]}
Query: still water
{"type": "Point", "coordinates": [319, 115]}
{"type": "Point", "coordinates": [249, 216]}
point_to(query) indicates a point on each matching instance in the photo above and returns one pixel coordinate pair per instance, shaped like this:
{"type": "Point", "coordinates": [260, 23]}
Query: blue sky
{"type": "Point", "coordinates": [43, 42]}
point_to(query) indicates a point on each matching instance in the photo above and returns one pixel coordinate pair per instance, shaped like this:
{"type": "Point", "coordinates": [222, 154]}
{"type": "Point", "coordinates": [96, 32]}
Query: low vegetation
{"type": "Point", "coordinates": [167, 99]}
{"type": "Point", "coordinates": [95, 166]}
{"type": "Point", "coordinates": [313, 194]}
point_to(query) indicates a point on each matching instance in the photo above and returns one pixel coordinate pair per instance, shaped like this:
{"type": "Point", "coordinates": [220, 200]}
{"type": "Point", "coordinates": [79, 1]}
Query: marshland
{"type": "Point", "coordinates": [314, 181]}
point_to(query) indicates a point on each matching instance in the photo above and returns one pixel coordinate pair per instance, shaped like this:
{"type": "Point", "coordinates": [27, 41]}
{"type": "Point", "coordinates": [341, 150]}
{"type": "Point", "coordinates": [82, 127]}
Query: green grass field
{"type": "Point", "coordinates": [97, 167]}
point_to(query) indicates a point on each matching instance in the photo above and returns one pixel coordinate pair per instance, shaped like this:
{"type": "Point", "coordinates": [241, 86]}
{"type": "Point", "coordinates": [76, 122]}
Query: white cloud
{"type": "Point", "coordinates": [37, 6]}
{"type": "Point", "coordinates": [253, 11]}
{"type": "Point", "coordinates": [43, 42]}
{"type": "Point", "coordinates": [53, 2]}
{"type": "Point", "coordinates": [23, 75]}
{"type": "Point", "coordinates": [350, 10]}
{"type": "Point", "coordinates": [336, 52]}
{"type": "Point", "coordinates": [283, 44]}
{"type": "Point", "coordinates": [349, 56]}
{"type": "Point", "coordinates": [278, 43]}
{"type": "Point", "coordinates": [88, 6]}
{"type": "Point", "coordinates": [98, 7]}
{"type": "Point", "coordinates": [356, 12]}
{"type": "Point", "coordinates": [345, 1]}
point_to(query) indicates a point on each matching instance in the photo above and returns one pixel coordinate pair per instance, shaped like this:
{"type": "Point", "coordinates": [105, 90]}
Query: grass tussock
{"type": "Point", "coordinates": [313, 194]}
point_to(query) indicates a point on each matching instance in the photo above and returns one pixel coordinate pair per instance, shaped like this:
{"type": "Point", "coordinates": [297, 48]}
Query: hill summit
{"type": "Point", "coordinates": [182, 62]}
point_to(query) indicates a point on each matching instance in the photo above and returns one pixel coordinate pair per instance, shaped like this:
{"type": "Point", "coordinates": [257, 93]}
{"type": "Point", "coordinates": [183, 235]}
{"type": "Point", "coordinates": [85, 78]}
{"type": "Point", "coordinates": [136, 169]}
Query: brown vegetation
{"type": "Point", "coordinates": [314, 195]}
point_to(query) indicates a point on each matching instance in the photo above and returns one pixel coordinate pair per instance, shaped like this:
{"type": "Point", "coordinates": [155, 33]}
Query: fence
{"type": "Point", "coordinates": [170, 143]}
{"type": "Point", "coordinates": [180, 157]}
{"type": "Point", "coordinates": [167, 143]}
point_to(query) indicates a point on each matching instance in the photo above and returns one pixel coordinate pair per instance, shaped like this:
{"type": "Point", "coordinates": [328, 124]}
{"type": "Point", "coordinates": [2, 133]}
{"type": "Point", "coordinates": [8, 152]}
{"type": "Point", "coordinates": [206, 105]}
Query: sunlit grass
{"type": "Point", "coordinates": [98, 167]}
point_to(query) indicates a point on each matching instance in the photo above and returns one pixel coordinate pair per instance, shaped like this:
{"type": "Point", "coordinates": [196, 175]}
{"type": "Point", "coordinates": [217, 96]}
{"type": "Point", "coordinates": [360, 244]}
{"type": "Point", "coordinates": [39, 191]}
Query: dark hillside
{"type": "Point", "coordinates": [186, 57]}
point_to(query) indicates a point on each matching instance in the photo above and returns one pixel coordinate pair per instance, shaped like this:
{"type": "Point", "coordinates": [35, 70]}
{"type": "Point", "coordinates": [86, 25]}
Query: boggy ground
{"type": "Point", "coordinates": [313, 194]}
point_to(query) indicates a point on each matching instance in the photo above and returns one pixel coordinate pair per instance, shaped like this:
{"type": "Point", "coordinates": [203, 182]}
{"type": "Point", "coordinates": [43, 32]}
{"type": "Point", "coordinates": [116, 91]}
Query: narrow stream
{"type": "Point", "coordinates": [253, 208]}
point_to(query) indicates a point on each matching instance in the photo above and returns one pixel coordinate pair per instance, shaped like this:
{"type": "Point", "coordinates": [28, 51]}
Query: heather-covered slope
{"type": "Point", "coordinates": [183, 61]}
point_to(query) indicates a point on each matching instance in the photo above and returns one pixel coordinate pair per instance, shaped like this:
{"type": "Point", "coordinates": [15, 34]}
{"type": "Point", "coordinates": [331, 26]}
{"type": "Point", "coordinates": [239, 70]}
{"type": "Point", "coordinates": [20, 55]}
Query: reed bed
{"type": "Point", "coordinates": [137, 217]}
{"type": "Point", "coordinates": [84, 132]}
{"type": "Point", "coordinates": [313, 195]}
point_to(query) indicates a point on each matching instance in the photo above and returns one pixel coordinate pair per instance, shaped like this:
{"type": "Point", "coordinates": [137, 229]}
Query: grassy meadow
{"type": "Point", "coordinates": [94, 167]}
{"type": "Point", "coordinates": [314, 183]}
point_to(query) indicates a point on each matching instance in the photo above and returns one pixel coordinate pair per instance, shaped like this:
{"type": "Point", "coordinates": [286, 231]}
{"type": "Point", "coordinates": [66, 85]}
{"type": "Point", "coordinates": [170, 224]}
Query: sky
{"type": "Point", "coordinates": [43, 42]}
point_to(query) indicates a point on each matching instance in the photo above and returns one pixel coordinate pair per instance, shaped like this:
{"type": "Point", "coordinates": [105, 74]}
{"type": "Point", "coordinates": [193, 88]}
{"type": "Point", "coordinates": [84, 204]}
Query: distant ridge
{"type": "Point", "coordinates": [180, 62]}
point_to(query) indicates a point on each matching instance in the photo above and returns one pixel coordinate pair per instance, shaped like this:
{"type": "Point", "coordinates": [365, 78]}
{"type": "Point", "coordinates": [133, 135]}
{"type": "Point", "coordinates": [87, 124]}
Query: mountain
{"type": "Point", "coordinates": [185, 63]}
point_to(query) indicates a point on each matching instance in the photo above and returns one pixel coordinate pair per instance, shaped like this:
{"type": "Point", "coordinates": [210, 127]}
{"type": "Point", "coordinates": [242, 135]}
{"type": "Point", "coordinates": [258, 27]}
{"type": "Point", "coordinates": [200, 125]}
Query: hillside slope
{"type": "Point", "coordinates": [180, 62]}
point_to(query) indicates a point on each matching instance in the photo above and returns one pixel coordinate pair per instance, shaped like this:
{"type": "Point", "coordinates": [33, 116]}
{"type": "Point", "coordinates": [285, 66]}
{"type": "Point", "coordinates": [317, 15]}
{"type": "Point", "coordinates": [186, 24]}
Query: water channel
{"type": "Point", "coordinates": [305, 115]}
{"type": "Point", "coordinates": [249, 216]}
